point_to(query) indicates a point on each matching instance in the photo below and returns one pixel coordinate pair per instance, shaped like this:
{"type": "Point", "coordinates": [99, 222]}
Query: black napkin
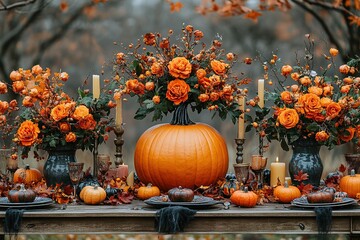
{"type": "Point", "coordinates": [173, 219]}
{"type": "Point", "coordinates": [12, 221]}
{"type": "Point", "coordinates": [323, 220]}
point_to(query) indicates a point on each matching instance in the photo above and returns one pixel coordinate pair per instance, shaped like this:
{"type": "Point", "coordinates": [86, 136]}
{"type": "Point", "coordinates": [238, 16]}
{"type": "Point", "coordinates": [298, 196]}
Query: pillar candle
{"type": "Point", "coordinates": [277, 171]}
{"type": "Point", "coordinates": [118, 113]}
{"type": "Point", "coordinates": [118, 172]}
{"type": "Point", "coordinates": [96, 86]}
{"type": "Point", "coordinates": [241, 122]}
{"type": "Point", "coordinates": [261, 90]}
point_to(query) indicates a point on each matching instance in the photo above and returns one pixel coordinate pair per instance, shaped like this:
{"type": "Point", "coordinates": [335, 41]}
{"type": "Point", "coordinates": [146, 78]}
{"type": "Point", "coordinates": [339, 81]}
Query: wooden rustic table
{"type": "Point", "coordinates": [139, 218]}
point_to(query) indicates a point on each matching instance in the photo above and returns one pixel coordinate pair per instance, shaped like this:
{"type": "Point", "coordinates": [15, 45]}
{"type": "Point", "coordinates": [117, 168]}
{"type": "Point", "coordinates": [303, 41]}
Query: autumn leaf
{"type": "Point", "coordinates": [253, 15]}
{"type": "Point", "coordinates": [125, 197]}
{"type": "Point", "coordinates": [342, 168]}
{"type": "Point", "coordinates": [305, 189]}
{"type": "Point", "coordinates": [301, 176]}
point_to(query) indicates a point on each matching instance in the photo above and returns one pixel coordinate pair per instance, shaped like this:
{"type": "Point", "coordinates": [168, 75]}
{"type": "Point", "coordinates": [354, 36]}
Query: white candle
{"type": "Point", "coordinates": [277, 171]}
{"type": "Point", "coordinates": [96, 86]}
{"type": "Point", "coordinates": [118, 112]}
{"type": "Point", "coordinates": [261, 90]}
{"type": "Point", "coordinates": [241, 122]}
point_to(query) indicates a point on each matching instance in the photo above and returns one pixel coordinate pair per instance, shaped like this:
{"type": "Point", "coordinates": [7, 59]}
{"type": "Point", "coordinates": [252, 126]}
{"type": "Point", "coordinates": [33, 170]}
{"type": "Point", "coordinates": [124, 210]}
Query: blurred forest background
{"type": "Point", "coordinates": [78, 37]}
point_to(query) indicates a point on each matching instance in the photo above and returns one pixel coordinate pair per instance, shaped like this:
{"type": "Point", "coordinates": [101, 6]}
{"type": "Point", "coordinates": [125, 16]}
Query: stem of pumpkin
{"type": "Point", "coordinates": [181, 116]}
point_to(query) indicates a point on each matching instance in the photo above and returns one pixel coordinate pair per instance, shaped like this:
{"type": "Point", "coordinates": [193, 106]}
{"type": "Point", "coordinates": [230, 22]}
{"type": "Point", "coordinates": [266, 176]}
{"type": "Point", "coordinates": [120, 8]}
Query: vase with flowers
{"type": "Point", "coordinates": [313, 107]}
{"type": "Point", "coordinates": [53, 121]}
{"type": "Point", "coordinates": [170, 77]}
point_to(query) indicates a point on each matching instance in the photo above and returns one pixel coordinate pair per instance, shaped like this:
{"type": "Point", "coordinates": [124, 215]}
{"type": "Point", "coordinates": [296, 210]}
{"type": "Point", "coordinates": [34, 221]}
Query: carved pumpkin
{"type": "Point", "coordinates": [350, 184]}
{"type": "Point", "coordinates": [286, 193]}
{"type": "Point", "coordinates": [181, 194]}
{"type": "Point", "coordinates": [244, 198]}
{"type": "Point", "coordinates": [148, 192]}
{"type": "Point", "coordinates": [27, 175]}
{"type": "Point", "coordinates": [22, 195]}
{"type": "Point", "coordinates": [181, 155]}
{"type": "Point", "coordinates": [93, 195]}
{"type": "Point", "coordinates": [320, 197]}
{"type": "Point", "coordinates": [229, 187]}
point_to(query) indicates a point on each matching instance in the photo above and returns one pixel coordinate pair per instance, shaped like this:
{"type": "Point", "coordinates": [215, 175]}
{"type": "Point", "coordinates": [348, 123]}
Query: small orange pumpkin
{"type": "Point", "coordinates": [286, 193]}
{"type": "Point", "coordinates": [244, 198]}
{"type": "Point", "coordinates": [93, 195]}
{"type": "Point", "coordinates": [27, 175]}
{"type": "Point", "coordinates": [148, 192]}
{"type": "Point", "coordinates": [350, 184]}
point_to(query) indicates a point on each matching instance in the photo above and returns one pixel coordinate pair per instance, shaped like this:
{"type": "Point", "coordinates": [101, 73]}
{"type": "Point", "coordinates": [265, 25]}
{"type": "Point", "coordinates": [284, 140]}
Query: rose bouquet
{"type": "Point", "coordinates": [51, 118]}
{"type": "Point", "coordinates": [316, 104]}
{"type": "Point", "coordinates": [165, 75]}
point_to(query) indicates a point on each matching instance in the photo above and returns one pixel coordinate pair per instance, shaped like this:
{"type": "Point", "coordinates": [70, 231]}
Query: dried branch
{"type": "Point", "coordinates": [15, 5]}
{"type": "Point", "coordinates": [330, 6]}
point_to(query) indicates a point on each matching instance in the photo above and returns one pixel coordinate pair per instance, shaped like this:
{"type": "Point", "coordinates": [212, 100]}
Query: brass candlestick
{"type": "Point", "coordinates": [239, 150]}
{"type": "Point", "coordinates": [261, 146]}
{"type": "Point", "coordinates": [95, 155]}
{"type": "Point", "coordinates": [119, 142]}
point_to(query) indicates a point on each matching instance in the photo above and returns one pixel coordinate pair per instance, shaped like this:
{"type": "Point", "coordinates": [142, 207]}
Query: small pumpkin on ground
{"type": "Point", "coordinates": [350, 184]}
{"type": "Point", "coordinates": [93, 195]}
{"type": "Point", "coordinates": [148, 191]}
{"type": "Point", "coordinates": [286, 193]}
{"type": "Point", "coordinates": [181, 194]}
{"type": "Point", "coordinates": [87, 181]}
{"type": "Point", "coordinates": [244, 198]}
{"type": "Point", "coordinates": [27, 175]}
{"type": "Point", "coordinates": [22, 195]}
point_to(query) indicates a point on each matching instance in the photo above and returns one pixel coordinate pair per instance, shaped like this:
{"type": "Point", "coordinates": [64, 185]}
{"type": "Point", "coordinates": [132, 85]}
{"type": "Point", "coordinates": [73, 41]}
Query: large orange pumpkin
{"type": "Point", "coordinates": [192, 155]}
{"type": "Point", "coordinates": [27, 175]}
{"type": "Point", "coordinates": [350, 184]}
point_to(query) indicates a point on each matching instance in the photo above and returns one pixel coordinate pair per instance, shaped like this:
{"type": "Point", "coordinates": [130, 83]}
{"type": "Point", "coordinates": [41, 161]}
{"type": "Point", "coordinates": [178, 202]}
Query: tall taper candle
{"type": "Point", "coordinates": [118, 113]}
{"type": "Point", "coordinates": [261, 90]}
{"type": "Point", "coordinates": [96, 86]}
{"type": "Point", "coordinates": [241, 122]}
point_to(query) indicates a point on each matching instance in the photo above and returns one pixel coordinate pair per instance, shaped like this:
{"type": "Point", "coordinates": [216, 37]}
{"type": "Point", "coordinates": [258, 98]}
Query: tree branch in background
{"type": "Point", "coordinates": [5, 7]}
{"type": "Point", "coordinates": [59, 33]}
{"type": "Point", "coordinates": [329, 6]}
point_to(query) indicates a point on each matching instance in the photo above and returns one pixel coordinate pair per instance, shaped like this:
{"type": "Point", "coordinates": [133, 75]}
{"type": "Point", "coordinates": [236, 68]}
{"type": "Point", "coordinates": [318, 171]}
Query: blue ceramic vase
{"type": "Point", "coordinates": [306, 158]}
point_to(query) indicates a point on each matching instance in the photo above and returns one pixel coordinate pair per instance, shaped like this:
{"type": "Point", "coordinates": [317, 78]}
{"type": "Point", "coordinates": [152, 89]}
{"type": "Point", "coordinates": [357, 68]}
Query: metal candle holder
{"type": "Point", "coordinates": [261, 145]}
{"type": "Point", "coordinates": [239, 150]}
{"type": "Point", "coordinates": [95, 155]}
{"type": "Point", "coordinates": [119, 142]}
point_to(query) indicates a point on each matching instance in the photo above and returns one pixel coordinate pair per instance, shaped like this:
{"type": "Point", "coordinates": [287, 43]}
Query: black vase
{"type": "Point", "coordinates": [56, 169]}
{"type": "Point", "coordinates": [306, 158]}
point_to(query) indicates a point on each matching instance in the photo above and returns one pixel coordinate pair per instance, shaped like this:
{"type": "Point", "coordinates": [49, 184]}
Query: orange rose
{"type": "Point", "coordinates": [177, 91]}
{"type": "Point", "coordinates": [345, 88]}
{"type": "Point", "coordinates": [87, 123]}
{"type": "Point", "coordinates": [64, 76]}
{"type": "Point", "coordinates": [149, 39]}
{"type": "Point", "coordinates": [315, 90]}
{"type": "Point", "coordinates": [180, 67]}
{"type": "Point", "coordinates": [333, 52]}
{"type": "Point", "coordinates": [3, 88]}
{"type": "Point", "coordinates": [15, 76]}
{"type": "Point", "coordinates": [306, 81]}
{"type": "Point", "coordinates": [64, 127]}
{"type": "Point", "coordinates": [321, 136]}
{"type": "Point", "coordinates": [133, 85]}
{"type": "Point", "coordinates": [81, 112]}
{"type": "Point", "coordinates": [219, 68]}
{"type": "Point", "coordinates": [328, 90]}
{"type": "Point", "coordinates": [214, 96]}
{"type": "Point", "coordinates": [59, 112]}
{"type": "Point", "coordinates": [295, 76]}
{"type": "Point", "coordinates": [215, 80]}
{"type": "Point", "coordinates": [156, 99]}
{"type": "Point", "coordinates": [4, 106]}
{"type": "Point", "coordinates": [164, 43]}
{"type": "Point", "coordinates": [200, 74]}
{"type": "Point", "coordinates": [286, 97]}
{"type": "Point", "coordinates": [2, 120]}
{"type": "Point", "coordinates": [333, 110]}
{"type": "Point", "coordinates": [157, 69]}
{"type": "Point", "coordinates": [205, 82]}
{"type": "Point", "coordinates": [18, 86]}
{"type": "Point", "coordinates": [348, 134]}
{"type": "Point", "coordinates": [28, 101]}
{"type": "Point", "coordinates": [36, 69]}
{"type": "Point", "coordinates": [319, 117]}
{"type": "Point", "coordinates": [312, 105]}
{"type": "Point", "coordinates": [27, 134]}
{"type": "Point", "coordinates": [286, 70]}
{"type": "Point", "coordinates": [149, 86]}
{"type": "Point", "coordinates": [227, 93]}
{"type": "Point", "coordinates": [70, 137]}
{"type": "Point", "coordinates": [325, 101]}
{"type": "Point", "coordinates": [348, 80]}
{"type": "Point", "coordinates": [344, 69]}
{"type": "Point", "coordinates": [203, 97]}
{"type": "Point", "coordinates": [294, 88]}
{"type": "Point", "coordinates": [288, 118]}
{"type": "Point", "coordinates": [198, 35]}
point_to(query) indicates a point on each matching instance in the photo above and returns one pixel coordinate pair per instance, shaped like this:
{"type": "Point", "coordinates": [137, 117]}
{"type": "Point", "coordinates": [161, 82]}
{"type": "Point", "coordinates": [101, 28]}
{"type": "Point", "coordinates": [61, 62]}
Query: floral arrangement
{"type": "Point", "coordinates": [318, 104]}
{"type": "Point", "coordinates": [165, 75]}
{"type": "Point", "coordinates": [50, 118]}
